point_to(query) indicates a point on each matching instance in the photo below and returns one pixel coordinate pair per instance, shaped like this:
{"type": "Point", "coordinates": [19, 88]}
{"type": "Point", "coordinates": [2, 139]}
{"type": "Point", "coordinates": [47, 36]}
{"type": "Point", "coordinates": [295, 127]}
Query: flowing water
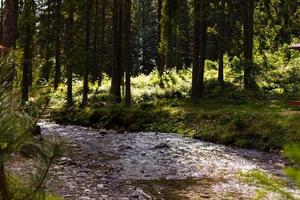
{"type": "Point", "coordinates": [110, 165]}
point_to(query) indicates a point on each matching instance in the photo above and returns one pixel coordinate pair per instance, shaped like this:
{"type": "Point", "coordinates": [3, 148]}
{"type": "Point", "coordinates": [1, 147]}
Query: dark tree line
{"type": "Point", "coordinates": [124, 38]}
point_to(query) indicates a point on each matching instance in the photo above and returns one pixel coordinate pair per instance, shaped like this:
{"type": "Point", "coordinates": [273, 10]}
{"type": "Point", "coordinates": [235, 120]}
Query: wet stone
{"type": "Point", "coordinates": [162, 146]}
{"type": "Point", "coordinates": [124, 147]}
{"type": "Point", "coordinates": [103, 132]}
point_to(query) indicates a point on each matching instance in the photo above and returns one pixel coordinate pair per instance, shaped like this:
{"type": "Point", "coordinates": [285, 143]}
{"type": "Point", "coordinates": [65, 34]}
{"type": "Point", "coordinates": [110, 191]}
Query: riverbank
{"type": "Point", "coordinates": [259, 125]}
{"type": "Point", "coordinates": [147, 165]}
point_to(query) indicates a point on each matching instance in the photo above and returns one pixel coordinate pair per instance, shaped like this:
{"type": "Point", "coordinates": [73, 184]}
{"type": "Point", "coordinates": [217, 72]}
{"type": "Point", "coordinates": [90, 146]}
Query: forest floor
{"type": "Point", "coordinates": [102, 164]}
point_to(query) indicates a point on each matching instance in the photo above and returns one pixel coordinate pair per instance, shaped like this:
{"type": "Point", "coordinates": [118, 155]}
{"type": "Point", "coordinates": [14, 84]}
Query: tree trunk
{"type": "Point", "coordinates": [87, 54]}
{"type": "Point", "coordinates": [248, 44]}
{"type": "Point", "coordinates": [160, 56]}
{"type": "Point", "coordinates": [47, 67]}
{"type": "Point", "coordinates": [116, 71]}
{"type": "Point", "coordinates": [70, 30]}
{"type": "Point", "coordinates": [102, 41]}
{"type": "Point", "coordinates": [10, 33]}
{"type": "Point", "coordinates": [221, 42]}
{"type": "Point", "coordinates": [203, 34]}
{"type": "Point", "coordinates": [95, 62]}
{"type": "Point", "coordinates": [196, 51]}
{"type": "Point", "coordinates": [120, 52]}
{"type": "Point", "coordinates": [127, 49]}
{"type": "Point", "coordinates": [10, 23]}
{"type": "Point", "coordinates": [27, 57]}
{"type": "Point", "coordinates": [48, 64]}
{"type": "Point", "coordinates": [57, 77]}
{"type": "Point", "coordinates": [177, 36]}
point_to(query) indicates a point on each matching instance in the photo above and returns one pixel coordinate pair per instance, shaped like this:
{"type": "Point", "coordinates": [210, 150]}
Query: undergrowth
{"type": "Point", "coordinates": [226, 114]}
{"type": "Point", "coordinates": [260, 125]}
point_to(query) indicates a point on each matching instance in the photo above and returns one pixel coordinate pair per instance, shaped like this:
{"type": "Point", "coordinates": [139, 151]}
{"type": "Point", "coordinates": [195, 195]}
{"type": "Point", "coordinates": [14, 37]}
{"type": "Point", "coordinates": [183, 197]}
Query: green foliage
{"type": "Point", "coordinates": [227, 114]}
{"type": "Point", "coordinates": [15, 132]}
{"type": "Point", "coordinates": [16, 125]}
{"type": "Point", "coordinates": [278, 72]}
{"type": "Point", "coordinates": [293, 153]}
{"type": "Point", "coordinates": [267, 183]}
{"type": "Point", "coordinates": [13, 124]}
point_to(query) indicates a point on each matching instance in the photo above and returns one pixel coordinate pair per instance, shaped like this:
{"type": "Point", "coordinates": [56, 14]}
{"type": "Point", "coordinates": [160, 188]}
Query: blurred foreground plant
{"type": "Point", "coordinates": [17, 123]}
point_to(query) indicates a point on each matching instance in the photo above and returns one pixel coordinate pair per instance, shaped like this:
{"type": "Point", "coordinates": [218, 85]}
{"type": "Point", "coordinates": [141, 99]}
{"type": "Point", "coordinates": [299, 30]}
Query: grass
{"type": "Point", "coordinates": [260, 125]}
{"type": "Point", "coordinates": [267, 184]}
{"type": "Point", "coordinates": [228, 115]}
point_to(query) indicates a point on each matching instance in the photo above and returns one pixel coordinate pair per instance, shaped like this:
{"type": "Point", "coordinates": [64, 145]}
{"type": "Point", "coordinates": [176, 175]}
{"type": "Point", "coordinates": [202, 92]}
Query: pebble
{"type": "Point", "coordinates": [84, 198]}
{"type": "Point", "coordinates": [87, 191]}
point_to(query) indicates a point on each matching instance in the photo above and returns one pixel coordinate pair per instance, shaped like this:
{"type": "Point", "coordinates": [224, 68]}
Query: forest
{"type": "Point", "coordinates": [149, 99]}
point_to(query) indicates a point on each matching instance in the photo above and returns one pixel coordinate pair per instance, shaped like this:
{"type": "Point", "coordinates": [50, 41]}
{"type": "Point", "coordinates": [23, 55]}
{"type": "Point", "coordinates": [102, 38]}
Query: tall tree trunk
{"type": "Point", "coordinates": [10, 23]}
{"type": "Point", "coordinates": [57, 76]}
{"type": "Point", "coordinates": [48, 65]}
{"type": "Point", "coordinates": [196, 51]}
{"type": "Point", "coordinates": [127, 49]}
{"type": "Point", "coordinates": [169, 51]}
{"type": "Point", "coordinates": [102, 41]}
{"type": "Point", "coordinates": [70, 30]}
{"type": "Point", "coordinates": [30, 40]}
{"type": "Point", "coordinates": [248, 44]}
{"type": "Point", "coordinates": [203, 35]}
{"type": "Point", "coordinates": [120, 52]}
{"type": "Point", "coordinates": [27, 57]}
{"type": "Point", "coordinates": [46, 73]}
{"type": "Point", "coordinates": [221, 42]}
{"type": "Point", "coordinates": [10, 33]}
{"type": "Point", "coordinates": [160, 56]}
{"type": "Point", "coordinates": [116, 71]}
{"type": "Point", "coordinates": [177, 37]}
{"type": "Point", "coordinates": [96, 31]}
{"type": "Point", "coordinates": [168, 32]}
{"type": "Point", "coordinates": [87, 54]}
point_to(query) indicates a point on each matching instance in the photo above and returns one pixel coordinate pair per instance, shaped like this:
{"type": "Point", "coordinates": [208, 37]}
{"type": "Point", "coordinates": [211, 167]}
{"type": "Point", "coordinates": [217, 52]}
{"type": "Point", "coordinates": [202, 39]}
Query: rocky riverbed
{"type": "Point", "coordinates": [109, 165]}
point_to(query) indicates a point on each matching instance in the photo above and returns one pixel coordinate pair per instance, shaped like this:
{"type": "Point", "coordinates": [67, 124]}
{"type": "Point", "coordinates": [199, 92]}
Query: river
{"type": "Point", "coordinates": [109, 165]}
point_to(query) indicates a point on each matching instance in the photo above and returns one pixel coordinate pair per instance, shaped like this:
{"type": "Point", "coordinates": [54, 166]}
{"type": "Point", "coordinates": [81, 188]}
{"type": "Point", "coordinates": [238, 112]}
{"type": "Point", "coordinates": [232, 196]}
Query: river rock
{"type": "Point", "coordinates": [84, 198]}
{"type": "Point", "coordinates": [103, 132]}
{"type": "Point", "coordinates": [87, 191]}
{"type": "Point", "coordinates": [124, 147]}
{"type": "Point", "coordinates": [162, 145]}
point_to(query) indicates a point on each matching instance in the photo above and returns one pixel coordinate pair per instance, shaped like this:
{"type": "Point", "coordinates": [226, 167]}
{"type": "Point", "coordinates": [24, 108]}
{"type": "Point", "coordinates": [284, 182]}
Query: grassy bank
{"type": "Point", "coordinates": [227, 115]}
{"type": "Point", "coordinates": [259, 125]}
